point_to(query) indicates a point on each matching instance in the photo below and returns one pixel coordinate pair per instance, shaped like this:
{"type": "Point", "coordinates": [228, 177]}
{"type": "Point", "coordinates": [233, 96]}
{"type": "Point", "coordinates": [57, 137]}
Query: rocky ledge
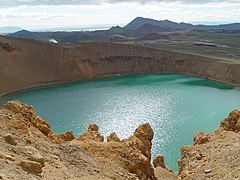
{"type": "Point", "coordinates": [29, 149]}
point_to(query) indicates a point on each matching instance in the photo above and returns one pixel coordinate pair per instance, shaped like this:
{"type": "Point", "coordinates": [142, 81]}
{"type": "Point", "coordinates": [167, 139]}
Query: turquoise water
{"type": "Point", "coordinates": [176, 106]}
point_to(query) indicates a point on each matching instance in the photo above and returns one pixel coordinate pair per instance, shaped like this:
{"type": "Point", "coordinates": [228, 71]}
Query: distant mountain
{"type": "Point", "coordinates": [140, 21]}
{"type": "Point", "coordinates": [137, 30]}
{"type": "Point", "coordinates": [149, 28]}
{"type": "Point", "coordinates": [9, 29]}
{"type": "Point", "coordinates": [22, 34]}
{"type": "Point", "coordinates": [116, 29]}
{"type": "Point", "coordinates": [61, 37]}
{"type": "Point", "coordinates": [224, 27]}
{"type": "Point", "coordinates": [166, 24]}
{"type": "Point", "coordinates": [112, 35]}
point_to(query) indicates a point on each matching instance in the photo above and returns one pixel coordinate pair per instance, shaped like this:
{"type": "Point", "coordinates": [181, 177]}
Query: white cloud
{"type": "Point", "coordinates": [48, 15]}
{"type": "Point", "coordinates": [11, 3]}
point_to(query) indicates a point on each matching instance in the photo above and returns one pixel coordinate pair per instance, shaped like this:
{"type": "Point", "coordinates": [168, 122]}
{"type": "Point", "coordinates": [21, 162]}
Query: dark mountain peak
{"type": "Point", "coordinates": [142, 18]}
{"type": "Point", "coordinates": [116, 28]}
{"type": "Point", "coordinates": [166, 20]}
{"type": "Point", "coordinates": [23, 31]}
{"type": "Point", "coordinates": [22, 34]}
{"type": "Point", "coordinates": [137, 18]}
{"type": "Point", "coordinates": [166, 24]}
{"type": "Point", "coordinates": [138, 22]}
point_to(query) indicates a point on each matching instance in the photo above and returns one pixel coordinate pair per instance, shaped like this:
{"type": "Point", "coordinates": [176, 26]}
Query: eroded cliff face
{"type": "Point", "coordinates": [27, 63]}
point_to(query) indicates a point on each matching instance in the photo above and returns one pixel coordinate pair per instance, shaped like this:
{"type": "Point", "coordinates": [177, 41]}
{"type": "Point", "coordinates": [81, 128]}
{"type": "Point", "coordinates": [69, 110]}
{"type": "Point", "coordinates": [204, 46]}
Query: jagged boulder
{"type": "Point", "coordinates": [201, 138]}
{"type": "Point", "coordinates": [133, 154]}
{"type": "Point", "coordinates": [17, 107]}
{"type": "Point", "coordinates": [91, 134]}
{"type": "Point", "coordinates": [113, 137]}
{"type": "Point", "coordinates": [10, 139]}
{"type": "Point", "coordinates": [43, 128]}
{"type": "Point", "coordinates": [185, 154]}
{"type": "Point", "coordinates": [28, 113]}
{"type": "Point", "coordinates": [31, 166]}
{"type": "Point", "coordinates": [232, 122]}
{"type": "Point", "coordinates": [67, 136]}
{"type": "Point", "coordinates": [159, 162]}
{"type": "Point", "coordinates": [93, 127]}
{"type": "Point", "coordinates": [42, 125]}
{"type": "Point", "coordinates": [6, 156]}
{"type": "Point", "coordinates": [142, 139]}
{"type": "Point", "coordinates": [63, 137]}
{"type": "Point", "coordinates": [33, 154]}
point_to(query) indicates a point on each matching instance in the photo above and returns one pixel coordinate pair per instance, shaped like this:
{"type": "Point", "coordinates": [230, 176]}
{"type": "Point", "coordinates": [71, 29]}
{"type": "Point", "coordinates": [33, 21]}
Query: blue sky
{"type": "Point", "coordinates": [48, 14]}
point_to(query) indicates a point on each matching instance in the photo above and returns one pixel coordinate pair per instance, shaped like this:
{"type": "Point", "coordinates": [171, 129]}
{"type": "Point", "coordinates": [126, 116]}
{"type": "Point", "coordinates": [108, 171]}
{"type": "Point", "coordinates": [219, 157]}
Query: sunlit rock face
{"type": "Point", "coordinates": [232, 122]}
{"type": "Point", "coordinates": [133, 153]}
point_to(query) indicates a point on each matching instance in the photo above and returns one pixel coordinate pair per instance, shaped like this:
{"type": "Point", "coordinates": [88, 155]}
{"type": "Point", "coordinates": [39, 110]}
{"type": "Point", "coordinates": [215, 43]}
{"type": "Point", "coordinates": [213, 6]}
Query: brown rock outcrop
{"type": "Point", "coordinates": [113, 137]}
{"type": "Point", "coordinates": [6, 156]}
{"type": "Point", "coordinates": [42, 125]}
{"type": "Point", "coordinates": [29, 115]}
{"type": "Point", "coordinates": [159, 162]}
{"type": "Point", "coordinates": [61, 138]}
{"type": "Point", "coordinates": [201, 138]}
{"type": "Point", "coordinates": [91, 134]}
{"type": "Point", "coordinates": [31, 166]}
{"type": "Point", "coordinates": [46, 156]}
{"type": "Point", "coordinates": [133, 154]}
{"type": "Point", "coordinates": [10, 139]}
{"type": "Point", "coordinates": [93, 127]}
{"type": "Point", "coordinates": [20, 108]}
{"type": "Point", "coordinates": [33, 154]}
{"type": "Point", "coordinates": [141, 140]}
{"type": "Point", "coordinates": [161, 171]}
{"type": "Point", "coordinates": [232, 122]}
{"type": "Point", "coordinates": [164, 174]}
{"type": "Point", "coordinates": [213, 156]}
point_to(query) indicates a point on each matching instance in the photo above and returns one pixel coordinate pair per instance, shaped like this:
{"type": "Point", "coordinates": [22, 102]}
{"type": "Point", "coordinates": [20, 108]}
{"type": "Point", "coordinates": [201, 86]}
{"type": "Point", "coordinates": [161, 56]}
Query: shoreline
{"type": "Point", "coordinates": [28, 64]}
{"type": "Point", "coordinates": [45, 85]}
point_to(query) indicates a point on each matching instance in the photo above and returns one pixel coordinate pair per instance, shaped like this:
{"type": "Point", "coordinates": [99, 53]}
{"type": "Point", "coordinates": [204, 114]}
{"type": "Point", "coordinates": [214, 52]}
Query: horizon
{"type": "Point", "coordinates": [96, 27]}
{"type": "Point", "coordinates": [47, 15]}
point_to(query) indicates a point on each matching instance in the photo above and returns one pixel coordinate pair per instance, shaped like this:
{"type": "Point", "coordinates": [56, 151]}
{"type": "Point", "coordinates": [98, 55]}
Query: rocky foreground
{"type": "Point", "coordinates": [29, 149]}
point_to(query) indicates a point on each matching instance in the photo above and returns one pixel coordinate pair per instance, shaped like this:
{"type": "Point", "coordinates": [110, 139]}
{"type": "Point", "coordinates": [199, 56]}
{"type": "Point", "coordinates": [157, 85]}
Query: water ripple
{"type": "Point", "coordinates": [175, 106]}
